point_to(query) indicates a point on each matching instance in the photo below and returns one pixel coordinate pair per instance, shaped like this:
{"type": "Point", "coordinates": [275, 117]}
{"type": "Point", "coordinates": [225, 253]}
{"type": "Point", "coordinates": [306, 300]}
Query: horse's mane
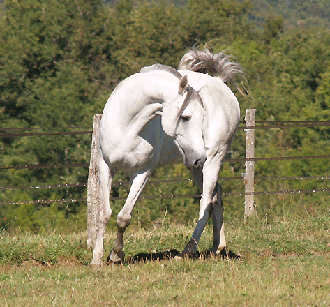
{"type": "Point", "coordinates": [217, 65]}
{"type": "Point", "coordinates": [158, 66]}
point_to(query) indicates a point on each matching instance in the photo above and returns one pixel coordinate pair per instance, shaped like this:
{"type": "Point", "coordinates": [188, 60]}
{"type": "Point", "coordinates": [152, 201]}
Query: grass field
{"type": "Point", "coordinates": [282, 262]}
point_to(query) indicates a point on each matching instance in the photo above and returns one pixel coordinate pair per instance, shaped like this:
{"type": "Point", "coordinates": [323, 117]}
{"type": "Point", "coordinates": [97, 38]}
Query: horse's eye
{"type": "Point", "coordinates": [184, 118]}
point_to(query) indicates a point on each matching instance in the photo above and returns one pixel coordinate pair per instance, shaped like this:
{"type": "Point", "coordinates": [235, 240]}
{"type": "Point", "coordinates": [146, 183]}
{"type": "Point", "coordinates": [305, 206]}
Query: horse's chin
{"type": "Point", "coordinates": [192, 163]}
{"type": "Point", "coordinates": [194, 167]}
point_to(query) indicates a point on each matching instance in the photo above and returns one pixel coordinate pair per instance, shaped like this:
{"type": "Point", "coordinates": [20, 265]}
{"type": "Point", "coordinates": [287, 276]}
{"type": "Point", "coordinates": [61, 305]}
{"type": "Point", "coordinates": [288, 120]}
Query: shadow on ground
{"type": "Point", "coordinates": [170, 254]}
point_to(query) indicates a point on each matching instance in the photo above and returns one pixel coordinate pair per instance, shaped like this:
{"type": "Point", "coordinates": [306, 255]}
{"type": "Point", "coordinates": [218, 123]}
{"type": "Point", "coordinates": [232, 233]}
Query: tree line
{"type": "Point", "coordinates": [60, 60]}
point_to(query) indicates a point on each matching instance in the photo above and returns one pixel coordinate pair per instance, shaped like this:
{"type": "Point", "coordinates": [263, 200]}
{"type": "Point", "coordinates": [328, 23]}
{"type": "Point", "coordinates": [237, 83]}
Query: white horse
{"type": "Point", "coordinates": [157, 116]}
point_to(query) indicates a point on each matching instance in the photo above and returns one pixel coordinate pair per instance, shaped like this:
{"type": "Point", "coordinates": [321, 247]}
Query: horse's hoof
{"type": "Point", "coordinates": [182, 256]}
{"type": "Point", "coordinates": [178, 257]}
{"type": "Point", "coordinates": [220, 248]}
{"type": "Point", "coordinates": [116, 257]}
{"type": "Point", "coordinates": [95, 264]}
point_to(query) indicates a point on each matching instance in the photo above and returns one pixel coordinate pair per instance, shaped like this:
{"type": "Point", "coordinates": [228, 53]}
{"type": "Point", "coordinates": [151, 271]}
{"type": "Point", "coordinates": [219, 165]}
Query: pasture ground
{"type": "Point", "coordinates": [282, 262]}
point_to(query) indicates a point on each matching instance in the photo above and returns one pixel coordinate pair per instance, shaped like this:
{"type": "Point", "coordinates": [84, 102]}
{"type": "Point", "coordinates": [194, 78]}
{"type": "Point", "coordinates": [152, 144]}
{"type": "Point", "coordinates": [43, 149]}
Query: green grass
{"type": "Point", "coordinates": [282, 262]}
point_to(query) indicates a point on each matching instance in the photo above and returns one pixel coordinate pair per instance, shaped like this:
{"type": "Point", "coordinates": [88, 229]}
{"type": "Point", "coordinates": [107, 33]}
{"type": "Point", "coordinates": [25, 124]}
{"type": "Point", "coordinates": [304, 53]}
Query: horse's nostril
{"type": "Point", "coordinates": [197, 163]}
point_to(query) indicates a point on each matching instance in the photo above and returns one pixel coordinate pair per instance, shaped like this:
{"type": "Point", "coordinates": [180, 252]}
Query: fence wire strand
{"type": "Point", "coordinates": [127, 183]}
{"type": "Point", "coordinates": [276, 124]}
{"type": "Point", "coordinates": [13, 135]}
{"type": "Point", "coordinates": [171, 196]}
{"type": "Point", "coordinates": [54, 186]}
{"type": "Point", "coordinates": [297, 125]}
{"type": "Point", "coordinates": [43, 128]}
{"type": "Point", "coordinates": [36, 166]}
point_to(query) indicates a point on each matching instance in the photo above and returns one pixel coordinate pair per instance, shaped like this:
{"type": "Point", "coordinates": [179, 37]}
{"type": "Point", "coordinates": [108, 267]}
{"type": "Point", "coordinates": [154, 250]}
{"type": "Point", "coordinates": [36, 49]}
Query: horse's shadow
{"type": "Point", "coordinates": [171, 254]}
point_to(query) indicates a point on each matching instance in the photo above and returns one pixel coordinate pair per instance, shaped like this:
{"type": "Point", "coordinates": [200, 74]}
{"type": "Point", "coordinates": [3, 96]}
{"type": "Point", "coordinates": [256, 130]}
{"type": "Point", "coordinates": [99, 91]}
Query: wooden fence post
{"type": "Point", "coordinates": [249, 165]}
{"type": "Point", "coordinates": [93, 197]}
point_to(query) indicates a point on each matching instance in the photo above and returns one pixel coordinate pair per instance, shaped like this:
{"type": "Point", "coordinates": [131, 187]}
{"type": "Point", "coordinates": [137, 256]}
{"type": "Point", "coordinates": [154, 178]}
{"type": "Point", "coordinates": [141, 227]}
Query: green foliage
{"type": "Point", "coordinates": [323, 94]}
{"type": "Point", "coordinates": [298, 13]}
{"type": "Point", "coordinates": [273, 26]}
{"type": "Point", "coordinates": [224, 20]}
{"type": "Point", "coordinates": [59, 61]}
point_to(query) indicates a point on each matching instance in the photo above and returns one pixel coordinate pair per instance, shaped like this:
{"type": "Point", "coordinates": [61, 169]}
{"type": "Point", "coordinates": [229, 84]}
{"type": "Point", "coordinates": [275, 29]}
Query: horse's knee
{"type": "Point", "coordinates": [123, 220]}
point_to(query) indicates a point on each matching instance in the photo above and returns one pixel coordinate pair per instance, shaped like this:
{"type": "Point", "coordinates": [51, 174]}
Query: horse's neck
{"type": "Point", "coordinates": [157, 91]}
{"type": "Point", "coordinates": [138, 100]}
{"type": "Point", "coordinates": [160, 86]}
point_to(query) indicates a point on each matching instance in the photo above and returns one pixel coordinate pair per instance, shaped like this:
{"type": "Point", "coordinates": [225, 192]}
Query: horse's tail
{"type": "Point", "coordinates": [217, 65]}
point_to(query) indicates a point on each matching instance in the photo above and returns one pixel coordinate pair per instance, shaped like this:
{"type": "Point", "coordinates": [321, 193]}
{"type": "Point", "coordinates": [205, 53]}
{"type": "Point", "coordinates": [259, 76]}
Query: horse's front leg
{"type": "Point", "coordinates": [124, 217]}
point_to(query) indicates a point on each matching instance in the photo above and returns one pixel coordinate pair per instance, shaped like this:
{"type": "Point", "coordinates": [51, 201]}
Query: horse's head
{"type": "Point", "coordinates": [182, 119]}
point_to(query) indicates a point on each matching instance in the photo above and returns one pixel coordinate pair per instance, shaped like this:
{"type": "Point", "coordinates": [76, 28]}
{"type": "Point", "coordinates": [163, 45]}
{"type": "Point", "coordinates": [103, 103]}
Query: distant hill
{"type": "Point", "coordinates": [298, 13]}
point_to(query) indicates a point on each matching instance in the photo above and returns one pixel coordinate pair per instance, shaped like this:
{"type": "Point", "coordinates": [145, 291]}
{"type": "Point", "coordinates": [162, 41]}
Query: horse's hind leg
{"type": "Point", "coordinates": [219, 240]}
{"type": "Point", "coordinates": [104, 213]}
{"type": "Point", "coordinates": [124, 216]}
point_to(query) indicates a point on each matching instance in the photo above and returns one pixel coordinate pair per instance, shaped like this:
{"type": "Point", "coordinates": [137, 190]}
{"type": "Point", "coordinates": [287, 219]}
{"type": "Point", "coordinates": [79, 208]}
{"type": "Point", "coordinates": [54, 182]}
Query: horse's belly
{"type": "Point", "coordinates": [140, 157]}
{"type": "Point", "coordinates": [169, 152]}
{"type": "Point", "coordinates": [127, 151]}
{"type": "Point", "coordinates": [124, 155]}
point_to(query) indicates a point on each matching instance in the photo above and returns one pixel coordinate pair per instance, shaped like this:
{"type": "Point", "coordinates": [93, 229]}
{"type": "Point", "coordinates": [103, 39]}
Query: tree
{"type": "Point", "coordinates": [52, 69]}
{"type": "Point", "coordinates": [59, 61]}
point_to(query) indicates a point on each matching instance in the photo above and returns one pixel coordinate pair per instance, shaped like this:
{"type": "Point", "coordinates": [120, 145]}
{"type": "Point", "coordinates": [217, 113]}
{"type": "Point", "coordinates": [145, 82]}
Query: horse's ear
{"type": "Point", "coordinates": [183, 84]}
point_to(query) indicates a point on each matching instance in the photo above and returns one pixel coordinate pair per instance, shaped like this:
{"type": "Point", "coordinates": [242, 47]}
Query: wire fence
{"type": "Point", "coordinates": [43, 201]}
{"type": "Point", "coordinates": [8, 133]}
